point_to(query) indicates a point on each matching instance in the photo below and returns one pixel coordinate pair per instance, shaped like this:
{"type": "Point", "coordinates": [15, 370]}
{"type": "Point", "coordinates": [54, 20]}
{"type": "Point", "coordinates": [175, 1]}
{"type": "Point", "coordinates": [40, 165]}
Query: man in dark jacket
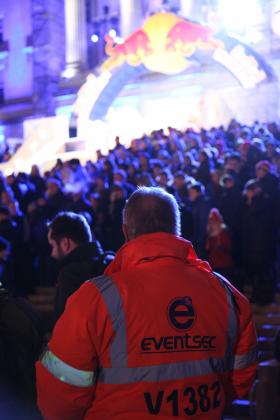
{"type": "Point", "coordinates": [80, 257]}
{"type": "Point", "coordinates": [258, 242]}
{"type": "Point", "coordinates": [200, 207]}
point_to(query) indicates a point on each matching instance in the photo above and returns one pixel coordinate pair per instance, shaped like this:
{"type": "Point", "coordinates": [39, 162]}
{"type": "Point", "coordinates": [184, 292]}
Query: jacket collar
{"type": "Point", "coordinates": [88, 251]}
{"type": "Point", "coordinates": [147, 248]}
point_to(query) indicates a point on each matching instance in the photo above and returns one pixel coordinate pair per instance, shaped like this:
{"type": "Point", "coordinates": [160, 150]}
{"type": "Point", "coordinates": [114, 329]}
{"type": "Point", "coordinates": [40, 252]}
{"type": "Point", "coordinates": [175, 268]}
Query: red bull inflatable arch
{"type": "Point", "coordinates": [168, 44]}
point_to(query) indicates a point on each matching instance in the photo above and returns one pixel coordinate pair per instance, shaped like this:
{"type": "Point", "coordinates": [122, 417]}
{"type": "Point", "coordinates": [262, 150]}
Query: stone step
{"type": "Point", "coordinates": [42, 298]}
{"type": "Point", "coordinates": [272, 319]}
{"type": "Point", "coordinates": [43, 307]}
{"type": "Point", "coordinates": [267, 330]}
{"type": "Point", "coordinates": [265, 344]}
{"type": "Point", "coordinates": [269, 370]}
{"type": "Point", "coordinates": [241, 409]}
{"type": "Point", "coordinates": [277, 298]}
{"type": "Point", "coordinates": [265, 355]}
{"type": "Point", "coordinates": [236, 418]}
{"type": "Point", "coordinates": [45, 290]}
{"type": "Point", "coordinates": [273, 308]}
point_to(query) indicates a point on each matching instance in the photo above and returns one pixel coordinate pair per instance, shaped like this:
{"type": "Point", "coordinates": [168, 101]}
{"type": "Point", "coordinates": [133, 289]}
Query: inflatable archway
{"type": "Point", "coordinates": [166, 43]}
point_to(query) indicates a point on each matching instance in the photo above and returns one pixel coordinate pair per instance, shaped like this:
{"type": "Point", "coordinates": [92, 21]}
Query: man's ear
{"type": "Point", "coordinates": [65, 245]}
{"type": "Point", "coordinates": [125, 232]}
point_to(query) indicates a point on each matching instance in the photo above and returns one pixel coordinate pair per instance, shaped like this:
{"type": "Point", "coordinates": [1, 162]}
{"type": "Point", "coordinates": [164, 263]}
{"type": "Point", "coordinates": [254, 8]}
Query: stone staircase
{"type": "Point", "coordinates": [267, 321]}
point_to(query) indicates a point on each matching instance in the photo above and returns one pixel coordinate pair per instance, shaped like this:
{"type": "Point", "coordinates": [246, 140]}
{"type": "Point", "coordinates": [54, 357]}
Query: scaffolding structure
{"type": "Point", "coordinates": [47, 42]}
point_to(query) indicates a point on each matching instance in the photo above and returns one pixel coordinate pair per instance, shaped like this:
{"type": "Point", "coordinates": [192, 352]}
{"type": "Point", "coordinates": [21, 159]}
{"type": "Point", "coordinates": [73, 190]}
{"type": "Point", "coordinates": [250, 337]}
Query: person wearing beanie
{"type": "Point", "coordinates": [269, 182]}
{"type": "Point", "coordinates": [219, 245]}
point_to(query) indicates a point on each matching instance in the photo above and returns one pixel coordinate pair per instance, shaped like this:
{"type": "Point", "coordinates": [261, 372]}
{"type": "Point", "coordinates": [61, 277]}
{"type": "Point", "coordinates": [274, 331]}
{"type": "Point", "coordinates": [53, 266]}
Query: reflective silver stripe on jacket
{"type": "Point", "coordinates": [232, 324]}
{"type": "Point", "coordinates": [244, 360]}
{"type": "Point", "coordinates": [113, 301]}
{"type": "Point", "coordinates": [67, 373]}
{"type": "Point", "coordinates": [163, 372]}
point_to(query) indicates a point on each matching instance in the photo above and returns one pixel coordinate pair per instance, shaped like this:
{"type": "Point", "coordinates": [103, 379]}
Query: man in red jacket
{"type": "Point", "coordinates": [158, 334]}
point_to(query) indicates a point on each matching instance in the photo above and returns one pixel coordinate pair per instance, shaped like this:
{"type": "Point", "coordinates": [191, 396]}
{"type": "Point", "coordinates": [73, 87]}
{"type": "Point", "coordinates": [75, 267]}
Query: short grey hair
{"type": "Point", "coordinates": [151, 210]}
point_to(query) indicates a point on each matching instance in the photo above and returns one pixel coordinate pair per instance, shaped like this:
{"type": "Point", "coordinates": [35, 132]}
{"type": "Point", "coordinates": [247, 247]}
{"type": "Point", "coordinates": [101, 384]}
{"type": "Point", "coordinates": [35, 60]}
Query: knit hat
{"type": "Point", "coordinates": [251, 185]}
{"type": "Point", "coordinates": [215, 216]}
{"type": "Point", "coordinates": [264, 164]}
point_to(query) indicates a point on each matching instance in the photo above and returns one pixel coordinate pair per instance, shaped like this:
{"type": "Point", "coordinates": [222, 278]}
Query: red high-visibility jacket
{"type": "Point", "coordinates": [158, 334]}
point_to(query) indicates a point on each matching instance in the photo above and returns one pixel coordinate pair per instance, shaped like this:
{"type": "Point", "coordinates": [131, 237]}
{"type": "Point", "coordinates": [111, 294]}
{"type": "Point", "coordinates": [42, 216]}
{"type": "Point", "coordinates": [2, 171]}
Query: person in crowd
{"type": "Point", "coordinates": [132, 173]}
{"type": "Point", "coordinates": [141, 342]}
{"type": "Point", "coordinates": [219, 245]}
{"type": "Point", "coordinates": [145, 180]}
{"type": "Point", "coordinates": [120, 177]}
{"type": "Point", "coordinates": [180, 186]}
{"type": "Point", "coordinates": [268, 181]}
{"type": "Point", "coordinates": [190, 164]}
{"type": "Point", "coordinates": [55, 197]}
{"type": "Point", "coordinates": [164, 180]}
{"type": "Point", "coordinates": [108, 170]}
{"type": "Point", "coordinates": [204, 168]}
{"type": "Point", "coordinates": [181, 193]}
{"type": "Point", "coordinates": [214, 189]}
{"type": "Point", "coordinates": [79, 203]}
{"type": "Point", "coordinates": [118, 197]}
{"type": "Point", "coordinates": [6, 266]}
{"type": "Point", "coordinates": [37, 180]}
{"type": "Point", "coordinates": [258, 242]}
{"type": "Point", "coordinates": [229, 204]}
{"type": "Point", "coordinates": [200, 208]}
{"type": "Point", "coordinates": [80, 256]}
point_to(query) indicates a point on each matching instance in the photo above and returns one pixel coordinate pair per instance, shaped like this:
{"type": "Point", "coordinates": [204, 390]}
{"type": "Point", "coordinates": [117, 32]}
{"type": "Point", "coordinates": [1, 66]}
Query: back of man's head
{"type": "Point", "coordinates": [151, 210]}
{"type": "Point", "coordinates": [70, 225]}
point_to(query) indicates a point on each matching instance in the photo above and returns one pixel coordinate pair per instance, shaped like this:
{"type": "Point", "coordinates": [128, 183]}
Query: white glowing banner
{"type": "Point", "coordinates": [43, 138]}
{"type": "Point", "coordinates": [244, 67]}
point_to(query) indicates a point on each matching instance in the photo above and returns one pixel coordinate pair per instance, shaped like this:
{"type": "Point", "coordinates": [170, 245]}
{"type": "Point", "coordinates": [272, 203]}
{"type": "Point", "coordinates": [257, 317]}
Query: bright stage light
{"type": "Point", "coordinates": [238, 15]}
{"type": "Point", "coordinates": [94, 38]}
{"type": "Point", "coordinates": [69, 73]}
{"type": "Point", "coordinates": [118, 40]}
{"type": "Point", "coordinates": [112, 33]}
{"type": "Point", "coordinates": [275, 19]}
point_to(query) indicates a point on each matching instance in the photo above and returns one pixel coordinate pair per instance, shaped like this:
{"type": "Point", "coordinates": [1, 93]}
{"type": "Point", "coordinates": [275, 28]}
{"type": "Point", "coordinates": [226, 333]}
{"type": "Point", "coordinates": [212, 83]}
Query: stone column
{"type": "Point", "coordinates": [186, 8]}
{"type": "Point", "coordinates": [75, 37]}
{"type": "Point", "coordinates": [131, 12]}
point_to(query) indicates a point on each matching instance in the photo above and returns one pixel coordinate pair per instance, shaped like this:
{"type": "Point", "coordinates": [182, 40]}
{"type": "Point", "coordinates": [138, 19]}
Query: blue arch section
{"type": "Point", "coordinates": [119, 79]}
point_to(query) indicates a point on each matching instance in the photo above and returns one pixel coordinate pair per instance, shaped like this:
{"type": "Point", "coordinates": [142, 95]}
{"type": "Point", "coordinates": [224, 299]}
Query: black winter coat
{"type": "Point", "coordinates": [83, 263]}
{"type": "Point", "coordinates": [258, 233]}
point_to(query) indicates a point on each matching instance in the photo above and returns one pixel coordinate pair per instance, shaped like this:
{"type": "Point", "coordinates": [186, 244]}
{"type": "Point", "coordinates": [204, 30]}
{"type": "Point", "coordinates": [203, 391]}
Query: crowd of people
{"type": "Point", "coordinates": [225, 180]}
{"type": "Point", "coordinates": [233, 170]}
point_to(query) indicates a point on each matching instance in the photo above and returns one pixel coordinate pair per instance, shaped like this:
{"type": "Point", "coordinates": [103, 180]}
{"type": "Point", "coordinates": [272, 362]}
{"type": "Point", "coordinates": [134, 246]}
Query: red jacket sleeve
{"type": "Point", "coordinates": [241, 378]}
{"type": "Point", "coordinates": [72, 348]}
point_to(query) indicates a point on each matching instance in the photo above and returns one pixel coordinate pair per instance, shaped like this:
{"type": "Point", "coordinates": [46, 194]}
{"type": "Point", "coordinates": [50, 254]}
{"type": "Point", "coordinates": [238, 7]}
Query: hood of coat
{"type": "Point", "coordinates": [147, 248]}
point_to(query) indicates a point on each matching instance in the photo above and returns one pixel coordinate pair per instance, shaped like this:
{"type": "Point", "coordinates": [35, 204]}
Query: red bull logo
{"type": "Point", "coordinates": [185, 37]}
{"type": "Point", "coordinates": [163, 44]}
{"type": "Point", "coordinates": [132, 50]}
